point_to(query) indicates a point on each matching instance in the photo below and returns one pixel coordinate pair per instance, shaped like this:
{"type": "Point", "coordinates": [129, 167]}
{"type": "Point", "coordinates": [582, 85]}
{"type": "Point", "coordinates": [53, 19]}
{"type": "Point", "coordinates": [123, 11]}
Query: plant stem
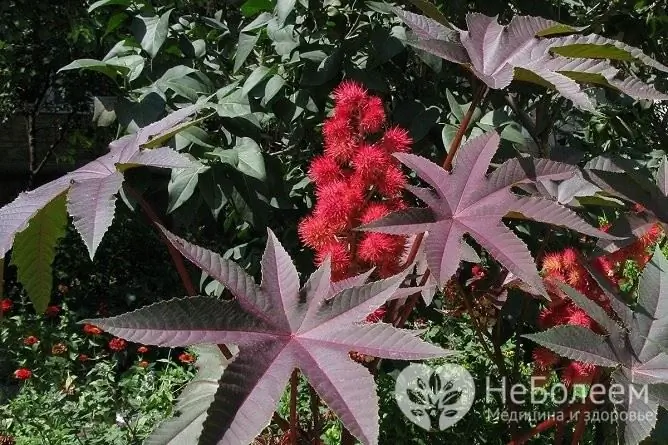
{"type": "Point", "coordinates": [561, 417]}
{"type": "Point", "coordinates": [582, 418]}
{"type": "Point", "coordinates": [410, 304]}
{"type": "Point", "coordinates": [315, 413]}
{"type": "Point", "coordinates": [294, 380]}
{"type": "Point", "coordinates": [177, 259]}
{"type": "Point", "coordinates": [176, 256]}
{"type": "Point", "coordinates": [415, 248]}
{"type": "Point", "coordinates": [479, 94]}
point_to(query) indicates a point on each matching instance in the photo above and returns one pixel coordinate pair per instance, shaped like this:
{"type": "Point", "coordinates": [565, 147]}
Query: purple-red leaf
{"type": "Point", "coordinates": [92, 187]}
{"type": "Point", "coordinates": [92, 203]}
{"type": "Point", "coordinates": [466, 200]}
{"type": "Point", "coordinates": [278, 327]}
{"type": "Point", "coordinates": [524, 50]}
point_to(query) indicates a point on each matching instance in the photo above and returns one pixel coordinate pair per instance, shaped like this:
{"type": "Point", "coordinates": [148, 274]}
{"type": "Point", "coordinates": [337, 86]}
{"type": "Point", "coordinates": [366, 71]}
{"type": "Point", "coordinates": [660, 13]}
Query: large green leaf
{"type": "Point", "coordinates": [255, 78]}
{"type": "Point", "coordinates": [101, 3]}
{"type": "Point", "coordinates": [283, 9]}
{"type": "Point", "coordinates": [108, 69]}
{"type": "Point", "coordinates": [35, 249]}
{"type": "Point", "coordinates": [153, 33]}
{"type": "Point", "coordinates": [182, 185]}
{"type": "Point", "coordinates": [244, 47]}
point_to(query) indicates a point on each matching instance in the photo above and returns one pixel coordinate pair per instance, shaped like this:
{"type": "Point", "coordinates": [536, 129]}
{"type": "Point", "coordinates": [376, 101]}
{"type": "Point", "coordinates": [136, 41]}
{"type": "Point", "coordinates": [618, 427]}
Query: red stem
{"type": "Point", "coordinates": [176, 256]}
{"type": "Point", "coordinates": [547, 424]}
{"type": "Point", "coordinates": [582, 418]}
{"type": "Point", "coordinates": [410, 304]}
{"type": "Point", "coordinates": [294, 380]}
{"type": "Point", "coordinates": [415, 248]}
{"type": "Point", "coordinates": [177, 259]}
{"type": "Point", "coordinates": [479, 94]}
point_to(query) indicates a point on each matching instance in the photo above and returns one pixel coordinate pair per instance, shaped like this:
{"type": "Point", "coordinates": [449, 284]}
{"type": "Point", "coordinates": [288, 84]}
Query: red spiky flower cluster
{"type": "Point", "coordinates": [357, 181]}
{"type": "Point", "coordinates": [565, 267]}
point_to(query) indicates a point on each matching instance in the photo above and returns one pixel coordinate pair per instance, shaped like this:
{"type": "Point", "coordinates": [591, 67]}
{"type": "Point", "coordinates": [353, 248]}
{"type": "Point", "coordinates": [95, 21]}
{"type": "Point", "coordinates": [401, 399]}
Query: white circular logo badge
{"type": "Point", "coordinates": [434, 398]}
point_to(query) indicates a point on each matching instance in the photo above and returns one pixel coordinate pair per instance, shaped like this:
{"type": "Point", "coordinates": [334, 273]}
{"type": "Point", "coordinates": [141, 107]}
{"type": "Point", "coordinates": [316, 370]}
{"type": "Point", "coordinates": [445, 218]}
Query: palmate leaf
{"type": "Point", "coordinates": [279, 327]}
{"type": "Point", "coordinates": [91, 188]}
{"type": "Point", "coordinates": [577, 343]}
{"type": "Point", "coordinates": [619, 178]}
{"type": "Point", "coordinates": [637, 350]}
{"type": "Point", "coordinates": [528, 50]}
{"type": "Point", "coordinates": [194, 401]}
{"type": "Point", "coordinates": [467, 201]}
{"type": "Point", "coordinates": [35, 250]}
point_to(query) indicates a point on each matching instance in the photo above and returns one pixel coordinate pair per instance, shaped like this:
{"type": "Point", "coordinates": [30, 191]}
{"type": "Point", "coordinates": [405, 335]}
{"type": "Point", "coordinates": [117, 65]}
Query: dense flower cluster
{"type": "Point", "coordinates": [91, 330]}
{"type": "Point", "coordinates": [58, 349]}
{"type": "Point", "coordinates": [184, 357]}
{"type": "Point", "coordinates": [22, 374]}
{"type": "Point", "coordinates": [30, 340]}
{"type": "Point", "coordinates": [52, 311]}
{"type": "Point", "coordinates": [117, 344]}
{"type": "Point", "coordinates": [357, 181]}
{"type": "Point", "coordinates": [566, 267]}
{"type": "Point", "coordinates": [6, 305]}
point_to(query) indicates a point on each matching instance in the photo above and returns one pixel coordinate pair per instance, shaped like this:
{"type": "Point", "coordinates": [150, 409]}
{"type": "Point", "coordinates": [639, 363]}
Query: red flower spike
{"type": "Point", "coordinates": [552, 263]}
{"type": "Point", "coordinates": [324, 170]}
{"type": "Point", "coordinates": [350, 93]}
{"type": "Point", "coordinates": [83, 358]}
{"type": "Point", "coordinates": [370, 162]}
{"type": "Point", "coordinates": [339, 142]}
{"type": "Point", "coordinates": [315, 231]}
{"type": "Point", "coordinates": [186, 358]}
{"type": "Point", "coordinates": [376, 248]}
{"type": "Point", "coordinates": [117, 344]}
{"type": "Point", "coordinates": [578, 372]}
{"type": "Point", "coordinates": [372, 115]}
{"type": "Point", "coordinates": [579, 317]}
{"type": "Point", "coordinates": [22, 374]}
{"type": "Point", "coordinates": [392, 183]}
{"type": "Point", "coordinates": [478, 271]}
{"type": "Point", "coordinates": [142, 350]}
{"type": "Point", "coordinates": [544, 358]}
{"type": "Point", "coordinates": [396, 139]}
{"type": "Point", "coordinates": [374, 211]}
{"type": "Point", "coordinates": [340, 258]}
{"type": "Point", "coordinates": [337, 204]}
{"type": "Point", "coordinates": [143, 364]}
{"type": "Point", "coordinates": [376, 315]}
{"type": "Point", "coordinates": [569, 258]}
{"type": "Point", "coordinates": [52, 311]}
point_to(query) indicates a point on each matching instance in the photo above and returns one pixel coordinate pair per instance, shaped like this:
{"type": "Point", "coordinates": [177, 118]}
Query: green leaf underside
{"type": "Point", "coordinates": [35, 250]}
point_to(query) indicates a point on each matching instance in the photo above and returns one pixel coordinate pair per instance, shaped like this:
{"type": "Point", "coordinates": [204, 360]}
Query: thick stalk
{"type": "Point", "coordinates": [2, 281]}
{"type": "Point", "coordinates": [582, 418]}
{"type": "Point", "coordinates": [315, 413]}
{"type": "Point", "coordinates": [478, 96]}
{"type": "Point", "coordinates": [294, 428]}
{"type": "Point", "coordinates": [177, 259]}
{"type": "Point", "coordinates": [562, 417]}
